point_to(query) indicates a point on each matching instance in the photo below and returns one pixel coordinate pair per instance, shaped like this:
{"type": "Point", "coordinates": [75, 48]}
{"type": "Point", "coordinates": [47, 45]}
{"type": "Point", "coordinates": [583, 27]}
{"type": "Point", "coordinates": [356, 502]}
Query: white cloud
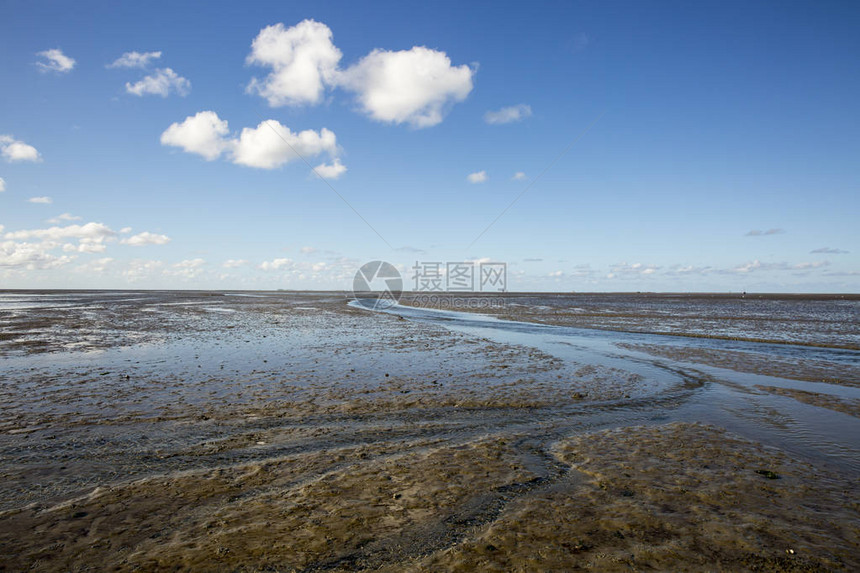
{"type": "Point", "coordinates": [84, 248]}
{"type": "Point", "coordinates": [203, 134]}
{"type": "Point", "coordinates": [519, 176]}
{"type": "Point", "coordinates": [413, 86]}
{"type": "Point", "coordinates": [140, 269]}
{"type": "Point", "coordinates": [187, 269]}
{"type": "Point", "coordinates": [125, 230]}
{"type": "Point", "coordinates": [271, 144]}
{"type": "Point", "coordinates": [42, 200]}
{"type": "Point", "coordinates": [308, 250]}
{"type": "Point", "coordinates": [2, 184]}
{"type": "Point", "coordinates": [275, 264]}
{"type": "Point", "coordinates": [233, 263]}
{"type": "Point", "coordinates": [30, 256]}
{"type": "Point", "coordinates": [267, 146]}
{"type": "Point", "coordinates": [477, 177]}
{"type": "Point", "coordinates": [55, 61]}
{"type": "Point", "coordinates": [757, 265]}
{"type": "Point", "coordinates": [14, 150]}
{"type": "Point", "coordinates": [161, 82]}
{"type": "Point", "coordinates": [409, 86]}
{"type": "Point", "coordinates": [145, 238]}
{"type": "Point", "coordinates": [330, 171]}
{"type": "Point", "coordinates": [64, 217]}
{"type": "Point", "coordinates": [303, 60]}
{"type": "Point", "coordinates": [635, 269]}
{"type": "Point", "coordinates": [508, 114]}
{"type": "Point", "coordinates": [135, 60]}
{"type": "Point", "coordinates": [89, 233]}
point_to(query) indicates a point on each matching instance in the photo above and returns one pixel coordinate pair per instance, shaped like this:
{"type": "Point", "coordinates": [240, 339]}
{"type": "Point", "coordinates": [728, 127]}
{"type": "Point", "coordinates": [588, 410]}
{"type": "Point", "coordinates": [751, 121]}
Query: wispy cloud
{"type": "Point", "coordinates": [758, 233]}
{"type": "Point", "coordinates": [161, 82]}
{"type": "Point", "coordinates": [412, 250]}
{"type": "Point", "coordinates": [829, 251]}
{"type": "Point", "coordinates": [508, 114]}
{"type": "Point", "coordinates": [55, 61]}
{"type": "Point", "coordinates": [64, 217]}
{"type": "Point", "coordinates": [477, 177]}
{"type": "Point", "coordinates": [41, 200]}
{"type": "Point", "coordinates": [134, 60]}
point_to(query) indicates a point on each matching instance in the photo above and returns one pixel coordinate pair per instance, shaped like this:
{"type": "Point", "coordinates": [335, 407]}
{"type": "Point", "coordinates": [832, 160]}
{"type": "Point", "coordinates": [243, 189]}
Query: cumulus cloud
{"type": "Point", "coordinates": [161, 82]}
{"type": "Point", "coordinates": [42, 200]}
{"type": "Point", "coordinates": [331, 170]}
{"type": "Point", "coordinates": [508, 114]}
{"type": "Point", "coordinates": [62, 218]}
{"type": "Point", "coordinates": [829, 251]}
{"type": "Point", "coordinates": [135, 60]}
{"type": "Point", "coordinates": [308, 250]}
{"type": "Point", "coordinates": [477, 177]}
{"type": "Point", "coordinates": [2, 184]}
{"type": "Point", "coordinates": [31, 249]}
{"type": "Point", "coordinates": [84, 248]}
{"type": "Point", "coordinates": [30, 256]}
{"type": "Point", "coordinates": [275, 264]}
{"type": "Point", "coordinates": [234, 263]}
{"type": "Point", "coordinates": [14, 150]}
{"type": "Point", "coordinates": [519, 176]}
{"type": "Point", "coordinates": [303, 60]}
{"type": "Point", "coordinates": [621, 270]}
{"type": "Point", "coordinates": [758, 233]}
{"type": "Point", "coordinates": [89, 233]}
{"type": "Point", "coordinates": [203, 134]}
{"type": "Point", "coordinates": [414, 86]}
{"type": "Point", "coordinates": [271, 145]}
{"type": "Point", "coordinates": [267, 146]}
{"type": "Point", "coordinates": [55, 61]}
{"type": "Point", "coordinates": [145, 238]}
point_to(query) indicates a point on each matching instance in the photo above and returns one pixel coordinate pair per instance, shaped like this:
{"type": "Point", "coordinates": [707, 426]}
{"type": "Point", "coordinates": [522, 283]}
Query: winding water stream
{"type": "Point", "coordinates": [682, 391]}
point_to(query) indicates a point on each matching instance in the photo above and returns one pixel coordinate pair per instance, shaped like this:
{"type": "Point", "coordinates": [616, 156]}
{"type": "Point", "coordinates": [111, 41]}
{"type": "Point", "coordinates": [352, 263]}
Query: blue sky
{"type": "Point", "coordinates": [714, 144]}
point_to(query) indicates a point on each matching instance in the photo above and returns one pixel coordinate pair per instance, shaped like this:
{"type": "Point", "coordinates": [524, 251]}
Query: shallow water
{"type": "Point", "coordinates": [718, 396]}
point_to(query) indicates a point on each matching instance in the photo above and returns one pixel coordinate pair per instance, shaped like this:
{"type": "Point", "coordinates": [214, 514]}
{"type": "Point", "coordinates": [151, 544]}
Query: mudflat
{"type": "Point", "coordinates": [297, 432]}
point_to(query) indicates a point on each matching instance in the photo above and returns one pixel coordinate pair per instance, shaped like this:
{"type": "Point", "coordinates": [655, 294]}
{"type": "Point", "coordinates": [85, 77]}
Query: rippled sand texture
{"type": "Point", "coordinates": [291, 432]}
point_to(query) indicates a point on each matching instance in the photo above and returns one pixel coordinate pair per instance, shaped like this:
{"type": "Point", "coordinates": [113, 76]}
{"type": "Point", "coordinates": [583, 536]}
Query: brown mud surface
{"type": "Point", "coordinates": [291, 432]}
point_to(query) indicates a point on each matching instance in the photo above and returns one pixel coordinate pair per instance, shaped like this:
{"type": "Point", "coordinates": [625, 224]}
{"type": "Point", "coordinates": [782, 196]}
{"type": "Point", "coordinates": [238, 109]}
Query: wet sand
{"type": "Point", "coordinates": [292, 432]}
